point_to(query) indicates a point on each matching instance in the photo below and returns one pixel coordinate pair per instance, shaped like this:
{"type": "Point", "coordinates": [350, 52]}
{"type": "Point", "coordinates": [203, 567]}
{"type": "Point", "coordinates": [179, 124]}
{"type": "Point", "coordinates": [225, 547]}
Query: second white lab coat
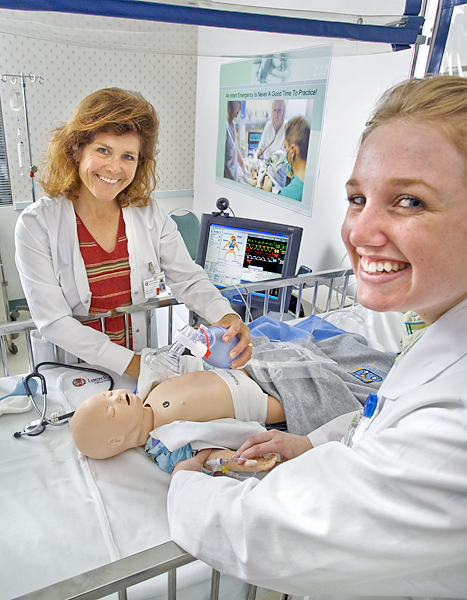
{"type": "Point", "coordinates": [386, 517]}
{"type": "Point", "coordinates": [271, 140]}
{"type": "Point", "coordinates": [54, 279]}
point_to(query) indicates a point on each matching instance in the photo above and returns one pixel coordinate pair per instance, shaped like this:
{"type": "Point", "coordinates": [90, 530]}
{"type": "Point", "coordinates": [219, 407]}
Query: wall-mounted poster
{"type": "Point", "coordinates": [270, 120]}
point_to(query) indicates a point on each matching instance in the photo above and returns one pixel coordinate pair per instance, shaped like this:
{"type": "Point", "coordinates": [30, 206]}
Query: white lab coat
{"type": "Point", "coordinates": [271, 140]}
{"type": "Point", "coordinates": [385, 517]}
{"type": "Point", "coordinates": [54, 280]}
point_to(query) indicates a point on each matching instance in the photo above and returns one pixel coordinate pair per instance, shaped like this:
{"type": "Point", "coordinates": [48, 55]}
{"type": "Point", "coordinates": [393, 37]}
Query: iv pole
{"type": "Point", "coordinates": [33, 78]}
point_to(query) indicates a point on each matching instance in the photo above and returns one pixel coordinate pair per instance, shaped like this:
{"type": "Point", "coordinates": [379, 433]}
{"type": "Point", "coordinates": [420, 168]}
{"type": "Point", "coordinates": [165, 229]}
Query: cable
{"type": "Point", "coordinates": [250, 316]}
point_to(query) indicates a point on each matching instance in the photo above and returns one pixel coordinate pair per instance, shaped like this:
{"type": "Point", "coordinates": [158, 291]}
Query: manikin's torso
{"type": "Point", "coordinates": [194, 401]}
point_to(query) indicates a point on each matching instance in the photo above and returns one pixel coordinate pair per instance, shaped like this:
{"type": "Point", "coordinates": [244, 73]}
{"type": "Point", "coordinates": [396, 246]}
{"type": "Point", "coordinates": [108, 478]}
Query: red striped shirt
{"type": "Point", "coordinates": [109, 280]}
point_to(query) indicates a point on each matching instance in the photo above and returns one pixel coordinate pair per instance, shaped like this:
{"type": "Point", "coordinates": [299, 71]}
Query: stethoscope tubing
{"type": "Point", "coordinates": [36, 427]}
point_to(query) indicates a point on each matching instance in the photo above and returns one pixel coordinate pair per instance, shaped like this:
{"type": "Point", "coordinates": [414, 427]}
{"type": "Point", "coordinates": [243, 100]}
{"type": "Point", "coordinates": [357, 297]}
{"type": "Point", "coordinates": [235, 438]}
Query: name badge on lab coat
{"type": "Point", "coordinates": [154, 286]}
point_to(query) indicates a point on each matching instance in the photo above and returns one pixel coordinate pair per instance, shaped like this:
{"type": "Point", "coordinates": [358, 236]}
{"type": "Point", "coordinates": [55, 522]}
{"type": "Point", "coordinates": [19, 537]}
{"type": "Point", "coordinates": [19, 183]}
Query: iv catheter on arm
{"type": "Point", "coordinates": [218, 465]}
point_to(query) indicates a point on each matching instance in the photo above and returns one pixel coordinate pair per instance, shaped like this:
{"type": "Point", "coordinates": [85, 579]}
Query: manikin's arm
{"type": "Point", "coordinates": [256, 448]}
{"type": "Point", "coordinates": [216, 460]}
{"type": "Point", "coordinates": [258, 463]}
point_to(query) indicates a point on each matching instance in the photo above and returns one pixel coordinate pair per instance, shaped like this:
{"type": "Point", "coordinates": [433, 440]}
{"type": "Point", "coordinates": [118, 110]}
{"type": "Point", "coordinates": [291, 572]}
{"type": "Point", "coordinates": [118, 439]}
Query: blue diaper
{"type": "Point", "coordinates": [167, 460]}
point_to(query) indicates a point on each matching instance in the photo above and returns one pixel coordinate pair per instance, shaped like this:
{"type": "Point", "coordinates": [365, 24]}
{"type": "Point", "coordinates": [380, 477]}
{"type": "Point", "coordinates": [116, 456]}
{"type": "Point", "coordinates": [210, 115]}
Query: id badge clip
{"type": "Point", "coordinates": [366, 413]}
{"type": "Point", "coordinates": [154, 285]}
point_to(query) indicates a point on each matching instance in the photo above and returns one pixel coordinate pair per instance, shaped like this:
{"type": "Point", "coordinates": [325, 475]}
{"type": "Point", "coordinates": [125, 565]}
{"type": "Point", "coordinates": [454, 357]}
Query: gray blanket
{"type": "Point", "coordinates": [309, 402]}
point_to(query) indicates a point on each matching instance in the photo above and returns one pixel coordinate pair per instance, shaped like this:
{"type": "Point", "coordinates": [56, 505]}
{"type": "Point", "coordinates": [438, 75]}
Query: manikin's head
{"type": "Point", "coordinates": [109, 423]}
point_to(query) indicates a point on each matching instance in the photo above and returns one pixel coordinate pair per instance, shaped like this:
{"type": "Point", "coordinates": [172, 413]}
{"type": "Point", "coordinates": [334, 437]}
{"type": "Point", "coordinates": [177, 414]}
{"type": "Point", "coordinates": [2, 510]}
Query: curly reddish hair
{"type": "Point", "coordinates": [110, 110]}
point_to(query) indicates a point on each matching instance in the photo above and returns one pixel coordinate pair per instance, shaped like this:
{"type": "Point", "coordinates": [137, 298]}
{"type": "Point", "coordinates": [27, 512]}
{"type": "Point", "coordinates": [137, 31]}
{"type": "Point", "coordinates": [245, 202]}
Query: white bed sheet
{"type": "Point", "coordinates": [63, 514]}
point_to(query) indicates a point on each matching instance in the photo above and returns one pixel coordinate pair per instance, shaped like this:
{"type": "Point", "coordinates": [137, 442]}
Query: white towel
{"type": "Point", "coordinates": [15, 404]}
{"type": "Point", "coordinates": [219, 433]}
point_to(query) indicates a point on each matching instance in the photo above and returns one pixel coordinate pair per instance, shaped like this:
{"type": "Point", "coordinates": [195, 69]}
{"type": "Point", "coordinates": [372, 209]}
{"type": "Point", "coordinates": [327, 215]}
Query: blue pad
{"type": "Point", "coordinates": [281, 331]}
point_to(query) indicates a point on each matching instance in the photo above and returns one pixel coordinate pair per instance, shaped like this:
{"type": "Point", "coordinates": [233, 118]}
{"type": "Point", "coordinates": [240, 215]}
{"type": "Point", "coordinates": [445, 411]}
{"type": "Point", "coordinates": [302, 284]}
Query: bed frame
{"type": "Point", "coordinates": [328, 290]}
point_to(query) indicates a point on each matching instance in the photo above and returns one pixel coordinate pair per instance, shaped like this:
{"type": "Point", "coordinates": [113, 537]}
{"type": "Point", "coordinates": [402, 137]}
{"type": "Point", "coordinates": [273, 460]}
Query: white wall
{"type": "Point", "coordinates": [70, 73]}
{"type": "Point", "coordinates": [354, 85]}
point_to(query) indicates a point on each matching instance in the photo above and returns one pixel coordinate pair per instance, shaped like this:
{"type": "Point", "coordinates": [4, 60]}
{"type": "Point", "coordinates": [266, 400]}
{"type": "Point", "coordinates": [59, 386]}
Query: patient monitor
{"type": "Point", "coordinates": [234, 250]}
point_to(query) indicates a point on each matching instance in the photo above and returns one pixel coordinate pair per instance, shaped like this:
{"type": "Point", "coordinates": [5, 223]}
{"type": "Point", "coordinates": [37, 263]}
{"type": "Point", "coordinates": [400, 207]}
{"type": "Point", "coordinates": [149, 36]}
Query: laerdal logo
{"type": "Point", "coordinates": [98, 379]}
{"type": "Point", "coordinates": [79, 382]}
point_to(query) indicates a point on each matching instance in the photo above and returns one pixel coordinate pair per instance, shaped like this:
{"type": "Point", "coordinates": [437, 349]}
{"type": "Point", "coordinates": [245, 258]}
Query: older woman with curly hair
{"type": "Point", "coordinates": [89, 245]}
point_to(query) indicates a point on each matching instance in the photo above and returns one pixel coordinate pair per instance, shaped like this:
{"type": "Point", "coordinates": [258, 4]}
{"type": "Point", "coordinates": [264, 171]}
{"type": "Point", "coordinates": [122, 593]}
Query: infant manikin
{"type": "Point", "coordinates": [222, 407]}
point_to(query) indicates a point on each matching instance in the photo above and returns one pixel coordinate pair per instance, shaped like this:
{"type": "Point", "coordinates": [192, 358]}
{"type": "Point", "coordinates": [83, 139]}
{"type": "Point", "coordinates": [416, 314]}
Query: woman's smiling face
{"type": "Point", "coordinates": [108, 165]}
{"type": "Point", "coordinates": [406, 225]}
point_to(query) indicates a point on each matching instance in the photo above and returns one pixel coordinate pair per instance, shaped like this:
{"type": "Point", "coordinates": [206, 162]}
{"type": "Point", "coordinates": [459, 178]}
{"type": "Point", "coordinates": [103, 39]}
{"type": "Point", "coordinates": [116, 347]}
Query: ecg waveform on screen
{"type": "Point", "coordinates": [269, 254]}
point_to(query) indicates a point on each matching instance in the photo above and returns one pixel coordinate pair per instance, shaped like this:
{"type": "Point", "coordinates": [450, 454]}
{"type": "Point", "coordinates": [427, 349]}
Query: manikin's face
{"type": "Point", "coordinates": [406, 225]}
{"type": "Point", "coordinates": [105, 421]}
{"type": "Point", "coordinates": [117, 410]}
{"type": "Point", "coordinates": [108, 165]}
{"type": "Point", "coordinates": [277, 115]}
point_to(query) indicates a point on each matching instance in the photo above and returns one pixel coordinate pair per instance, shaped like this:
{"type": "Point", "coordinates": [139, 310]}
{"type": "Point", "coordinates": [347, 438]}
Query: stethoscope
{"type": "Point", "coordinates": [36, 427]}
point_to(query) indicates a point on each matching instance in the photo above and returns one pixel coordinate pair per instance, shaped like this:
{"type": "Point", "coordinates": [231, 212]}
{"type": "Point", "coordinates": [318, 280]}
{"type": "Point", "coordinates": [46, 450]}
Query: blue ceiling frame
{"type": "Point", "coordinates": [439, 42]}
{"type": "Point", "coordinates": [400, 37]}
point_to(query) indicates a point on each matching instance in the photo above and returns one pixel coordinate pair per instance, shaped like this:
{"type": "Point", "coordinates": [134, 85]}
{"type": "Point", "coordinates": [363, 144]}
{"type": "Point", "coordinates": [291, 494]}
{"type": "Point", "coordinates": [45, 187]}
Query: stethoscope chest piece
{"type": "Point", "coordinates": [34, 428]}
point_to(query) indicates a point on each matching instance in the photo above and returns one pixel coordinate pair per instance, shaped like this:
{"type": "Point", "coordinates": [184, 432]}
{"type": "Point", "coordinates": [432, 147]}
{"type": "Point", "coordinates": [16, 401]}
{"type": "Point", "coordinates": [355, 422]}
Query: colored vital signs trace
{"type": "Point", "coordinates": [266, 254]}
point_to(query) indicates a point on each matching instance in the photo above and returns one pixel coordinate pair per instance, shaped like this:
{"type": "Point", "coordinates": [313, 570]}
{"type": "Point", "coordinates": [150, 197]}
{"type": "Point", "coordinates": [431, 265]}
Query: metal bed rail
{"type": "Point", "coordinates": [117, 576]}
{"type": "Point", "coordinates": [335, 282]}
{"type": "Point", "coordinates": [26, 326]}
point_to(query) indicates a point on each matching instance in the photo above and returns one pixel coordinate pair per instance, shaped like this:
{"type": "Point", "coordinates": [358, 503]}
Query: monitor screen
{"type": "Point", "coordinates": [254, 138]}
{"type": "Point", "coordinates": [233, 250]}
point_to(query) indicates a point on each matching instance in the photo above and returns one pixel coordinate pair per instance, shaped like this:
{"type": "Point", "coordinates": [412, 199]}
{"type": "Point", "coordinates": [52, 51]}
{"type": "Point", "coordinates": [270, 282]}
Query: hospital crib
{"type": "Point", "coordinates": [326, 290]}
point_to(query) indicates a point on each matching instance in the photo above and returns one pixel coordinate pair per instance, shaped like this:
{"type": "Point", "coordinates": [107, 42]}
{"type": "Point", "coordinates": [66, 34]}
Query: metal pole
{"type": "Point", "coordinates": [172, 584]}
{"type": "Point", "coordinates": [33, 78]}
{"type": "Point", "coordinates": [6, 371]}
{"type": "Point", "coordinates": [418, 43]}
{"type": "Point", "coordinates": [215, 584]}
{"type": "Point", "coordinates": [25, 105]}
{"type": "Point", "coordinates": [434, 34]}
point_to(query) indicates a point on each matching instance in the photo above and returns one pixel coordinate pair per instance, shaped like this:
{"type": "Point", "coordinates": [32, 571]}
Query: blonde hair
{"type": "Point", "coordinates": [438, 100]}
{"type": "Point", "coordinates": [110, 110]}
